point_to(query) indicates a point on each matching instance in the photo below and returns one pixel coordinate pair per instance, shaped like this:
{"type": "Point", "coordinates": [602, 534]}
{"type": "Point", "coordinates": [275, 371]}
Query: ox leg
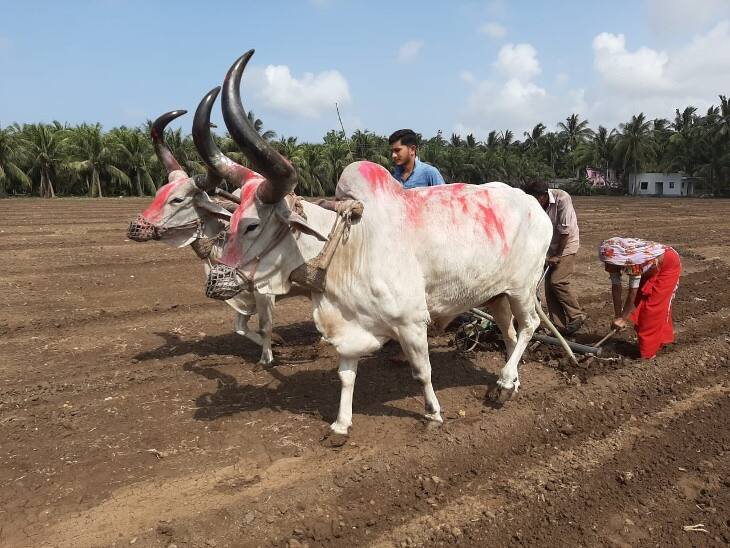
{"type": "Point", "coordinates": [500, 309]}
{"type": "Point", "coordinates": [523, 307]}
{"type": "Point", "coordinates": [240, 326]}
{"type": "Point", "coordinates": [265, 310]}
{"type": "Point", "coordinates": [414, 342]}
{"type": "Point", "coordinates": [347, 371]}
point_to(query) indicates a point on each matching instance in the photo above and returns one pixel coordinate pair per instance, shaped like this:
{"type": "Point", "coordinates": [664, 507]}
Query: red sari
{"type": "Point", "coordinates": [653, 314]}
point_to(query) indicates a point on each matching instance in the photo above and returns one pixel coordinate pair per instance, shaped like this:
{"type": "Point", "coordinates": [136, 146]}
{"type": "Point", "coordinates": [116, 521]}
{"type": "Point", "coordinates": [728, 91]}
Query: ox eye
{"type": "Point", "coordinates": [176, 200]}
{"type": "Point", "coordinates": [251, 227]}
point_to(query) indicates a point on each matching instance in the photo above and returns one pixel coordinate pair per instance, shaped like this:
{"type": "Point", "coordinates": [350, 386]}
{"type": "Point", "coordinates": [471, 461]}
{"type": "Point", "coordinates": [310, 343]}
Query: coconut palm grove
{"type": "Point", "coordinates": [57, 159]}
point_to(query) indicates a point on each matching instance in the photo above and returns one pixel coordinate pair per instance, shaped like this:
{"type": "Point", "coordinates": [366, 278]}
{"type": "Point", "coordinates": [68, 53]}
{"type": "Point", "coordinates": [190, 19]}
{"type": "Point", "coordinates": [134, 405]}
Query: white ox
{"type": "Point", "coordinates": [182, 214]}
{"type": "Point", "coordinates": [414, 258]}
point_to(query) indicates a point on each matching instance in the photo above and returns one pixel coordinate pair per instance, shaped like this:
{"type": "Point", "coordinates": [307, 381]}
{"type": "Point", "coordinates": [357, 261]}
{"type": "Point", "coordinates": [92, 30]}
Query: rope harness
{"type": "Point", "coordinates": [313, 273]}
{"type": "Point", "coordinates": [225, 282]}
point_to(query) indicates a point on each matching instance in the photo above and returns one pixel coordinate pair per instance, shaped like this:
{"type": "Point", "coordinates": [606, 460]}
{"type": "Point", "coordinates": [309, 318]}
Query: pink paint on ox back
{"type": "Point", "coordinates": [460, 205]}
{"type": "Point", "coordinates": [379, 178]}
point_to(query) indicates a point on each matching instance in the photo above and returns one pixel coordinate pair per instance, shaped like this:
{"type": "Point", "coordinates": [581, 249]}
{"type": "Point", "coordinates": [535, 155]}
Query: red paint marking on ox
{"type": "Point", "coordinates": [231, 255]}
{"type": "Point", "coordinates": [490, 223]}
{"type": "Point", "coordinates": [245, 174]}
{"type": "Point", "coordinates": [447, 197]}
{"type": "Point", "coordinates": [379, 179]}
{"type": "Point", "coordinates": [460, 205]}
{"type": "Point", "coordinates": [153, 214]}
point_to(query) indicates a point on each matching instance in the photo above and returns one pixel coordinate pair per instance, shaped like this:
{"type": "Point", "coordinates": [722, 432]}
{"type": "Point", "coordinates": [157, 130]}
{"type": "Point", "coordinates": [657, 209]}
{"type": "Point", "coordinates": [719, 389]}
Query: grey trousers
{"type": "Point", "coordinates": [562, 304]}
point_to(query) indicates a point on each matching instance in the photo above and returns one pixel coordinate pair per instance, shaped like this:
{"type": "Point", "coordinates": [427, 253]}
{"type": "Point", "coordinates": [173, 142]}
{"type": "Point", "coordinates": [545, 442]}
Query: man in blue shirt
{"type": "Point", "coordinates": [409, 170]}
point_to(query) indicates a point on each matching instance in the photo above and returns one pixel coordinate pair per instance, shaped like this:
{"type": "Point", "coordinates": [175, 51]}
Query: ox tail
{"type": "Point", "coordinates": [546, 321]}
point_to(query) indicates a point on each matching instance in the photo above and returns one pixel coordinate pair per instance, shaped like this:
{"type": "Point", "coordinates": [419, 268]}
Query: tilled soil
{"type": "Point", "coordinates": [131, 414]}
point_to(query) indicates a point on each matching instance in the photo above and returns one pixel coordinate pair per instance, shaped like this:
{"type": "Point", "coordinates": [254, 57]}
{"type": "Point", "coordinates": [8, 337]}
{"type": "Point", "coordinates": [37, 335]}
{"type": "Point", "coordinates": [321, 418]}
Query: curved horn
{"type": "Point", "coordinates": [217, 162]}
{"type": "Point", "coordinates": [207, 182]}
{"type": "Point", "coordinates": [158, 139]}
{"type": "Point", "coordinates": [281, 178]}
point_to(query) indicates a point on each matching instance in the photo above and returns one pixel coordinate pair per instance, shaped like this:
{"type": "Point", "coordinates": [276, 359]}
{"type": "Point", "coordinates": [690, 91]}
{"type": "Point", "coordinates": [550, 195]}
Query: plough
{"type": "Point", "coordinates": [480, 326]}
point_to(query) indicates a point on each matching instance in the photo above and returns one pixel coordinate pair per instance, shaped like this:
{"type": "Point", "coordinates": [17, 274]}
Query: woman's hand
{"type": "Point", "coordinates": [619, 324]}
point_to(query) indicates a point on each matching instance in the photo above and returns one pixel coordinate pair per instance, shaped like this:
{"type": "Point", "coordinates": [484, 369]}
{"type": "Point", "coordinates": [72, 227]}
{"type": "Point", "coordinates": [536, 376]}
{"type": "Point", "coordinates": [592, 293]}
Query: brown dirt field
{"type": "Point", "coordinates": [131, 414]}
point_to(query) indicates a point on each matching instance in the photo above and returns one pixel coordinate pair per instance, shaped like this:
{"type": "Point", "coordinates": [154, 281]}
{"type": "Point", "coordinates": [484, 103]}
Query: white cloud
{"type": "Point", "coordinates": [493, 30]}
{"type": "Point", "coordinates": [657, 82]}
{"type": "Point", "coordinates": [630, 77]}
{"type": "Point", "coordinates": [518, 62]}
{"type": "Point", "coordinates": [409, 51]}
{"type": "Point", "coordinates": [643, 69]}
{"type": "Point", "coordinates": [308, 96]}
{"type": "Point", "coordinates": [682, 16]}
{"type": "Point", "coordinates": [512, 99]}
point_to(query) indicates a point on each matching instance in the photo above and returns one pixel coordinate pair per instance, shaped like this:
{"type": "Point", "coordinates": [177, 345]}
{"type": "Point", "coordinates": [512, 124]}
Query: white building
{"type": "Point", "coordinates": [660, 184]}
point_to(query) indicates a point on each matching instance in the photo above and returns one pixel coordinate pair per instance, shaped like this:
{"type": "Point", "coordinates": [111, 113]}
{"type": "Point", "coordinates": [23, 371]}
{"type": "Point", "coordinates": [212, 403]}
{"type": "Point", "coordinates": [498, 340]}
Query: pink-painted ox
{"type": "Point", "coordinates": [182, 213]}
{"type": "Point", "coordinates": [414, 257]}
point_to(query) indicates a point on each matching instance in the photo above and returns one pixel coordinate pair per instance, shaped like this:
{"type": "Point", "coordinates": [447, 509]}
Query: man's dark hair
{"type": "Point", "coordinates": [407, 137]}
{"type": "Point", "coordinates": [536, 188]}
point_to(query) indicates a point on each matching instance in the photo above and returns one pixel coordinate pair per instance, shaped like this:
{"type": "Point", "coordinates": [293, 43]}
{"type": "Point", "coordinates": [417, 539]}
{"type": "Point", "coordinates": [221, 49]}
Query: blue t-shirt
{"type": "Point", "coordinates": [423, 174]}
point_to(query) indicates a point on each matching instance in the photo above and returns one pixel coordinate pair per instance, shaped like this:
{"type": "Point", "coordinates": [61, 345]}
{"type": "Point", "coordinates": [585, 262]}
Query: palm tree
{"type": "Point", "coordinates": [184, 151]}
{"type": "Point", "coordinates": [93, 156]}
{"type": "Point", "coordinates": [456, 140]}
{"type": "Point", "coordinates": [661, 133]}
{"type": "Point", "coordinates": [44, 146]}
{"type": "Point", "coordinates": [258, 125]}
{"type": "Point", "coordinates": [135, 153]}
{"type": "Point", "coordinates": [11, 154]}
{"type": "Point", "coordinates": [635, 146]}
{"type": "Point", "coordinates": [369, 146]}
{"type": "Point", "coordinates": [287, 146]}
{"type": "Point", "coordinates": [335, 155]}
{"type": "Point", "coordinates": [308, 161]}
{"type": "Point", "coordinates": [553, 145]}
{"type": "Point", "coordinates": [685, 120]}
{"type": "Point", "coordinates": [506, 139]}
{"type": "Point", "coordinates": [724, 117]}
{"type": "Point", "coordinates": [532, 138]}
{"type": "Point", "coordinates": [575, 131]}
{"type": "Point", "coordinates": [492, 141]}
{"type": "Point", "coordinates": [598, 151]}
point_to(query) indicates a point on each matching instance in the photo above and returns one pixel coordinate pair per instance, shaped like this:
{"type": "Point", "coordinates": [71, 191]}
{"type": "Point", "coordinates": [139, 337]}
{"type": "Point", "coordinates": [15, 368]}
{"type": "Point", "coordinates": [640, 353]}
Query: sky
{"type": "Point", "coordinates": [456, 66]}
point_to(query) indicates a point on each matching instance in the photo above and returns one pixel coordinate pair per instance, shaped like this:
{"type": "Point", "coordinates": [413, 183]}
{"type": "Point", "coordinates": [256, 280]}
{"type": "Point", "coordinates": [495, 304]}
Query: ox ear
{"type": "Point", "coordinates": [202, 200]}
{"type": "Point", "coordinates": [298, 222]}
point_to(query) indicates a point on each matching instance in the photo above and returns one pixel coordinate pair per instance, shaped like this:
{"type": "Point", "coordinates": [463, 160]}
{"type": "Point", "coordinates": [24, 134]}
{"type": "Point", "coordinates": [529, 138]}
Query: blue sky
{"type": "Point", "coordinates": [455, 66]}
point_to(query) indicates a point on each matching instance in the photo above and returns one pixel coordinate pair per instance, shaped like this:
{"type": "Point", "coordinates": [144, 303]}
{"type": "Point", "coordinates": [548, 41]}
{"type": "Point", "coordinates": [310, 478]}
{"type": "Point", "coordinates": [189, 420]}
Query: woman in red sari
{"type": "Point", "coordinates": [653, 270]}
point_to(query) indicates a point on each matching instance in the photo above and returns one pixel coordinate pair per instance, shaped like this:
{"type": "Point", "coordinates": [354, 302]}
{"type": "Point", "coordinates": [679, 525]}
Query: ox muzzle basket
{"type": "Point", "coordinates": [141, 230]}
{"type": "Point", "coordinates": [223, 283]}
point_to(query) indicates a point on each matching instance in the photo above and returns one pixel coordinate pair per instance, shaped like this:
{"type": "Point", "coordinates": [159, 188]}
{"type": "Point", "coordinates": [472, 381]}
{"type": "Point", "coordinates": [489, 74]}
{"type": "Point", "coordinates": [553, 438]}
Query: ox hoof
{"type": "Point", "coordinates": [498, 395]}
{"type": "Point", "coordinates": [334, 439]}
{"type": "Point", "coordinates": [432, 426]}
{"type": "Point", "coordinates": [262, 365]}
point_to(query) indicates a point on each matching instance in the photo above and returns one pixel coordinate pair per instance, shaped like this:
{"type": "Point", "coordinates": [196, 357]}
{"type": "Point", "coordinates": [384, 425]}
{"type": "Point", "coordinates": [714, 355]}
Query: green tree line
{"type": "Point", "coordinates": [49, 160]}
